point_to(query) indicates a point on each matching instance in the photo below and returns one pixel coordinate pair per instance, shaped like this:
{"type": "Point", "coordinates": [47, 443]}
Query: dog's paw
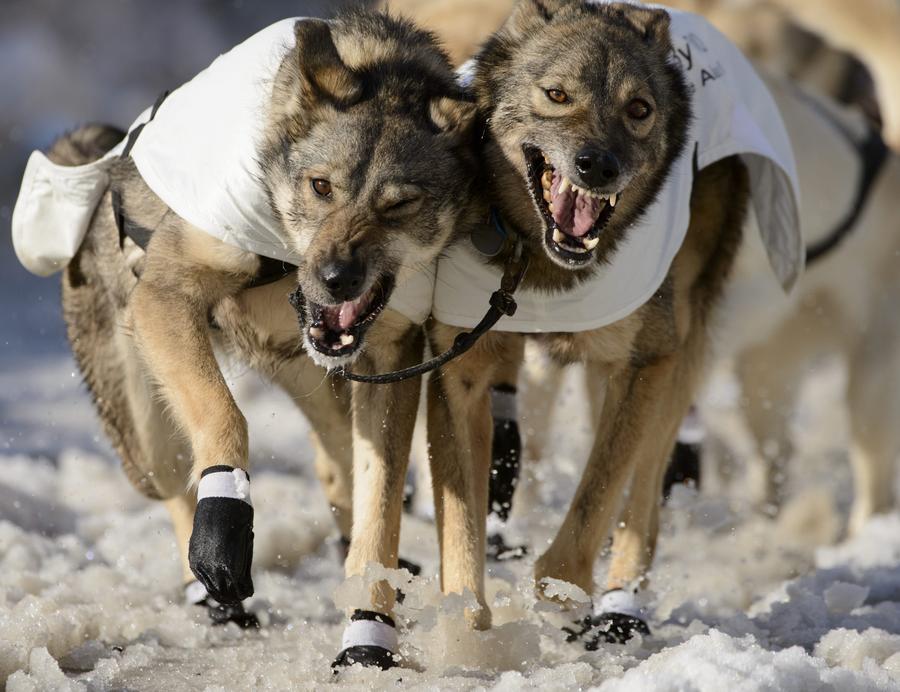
{"type": "Point", "coordinates": [614, 628]}
{"type": "Point", "coordinates": [370, 639]}
{"type": "Point", "coordinates": [617, 619]}
{"type": "Point", "coordinates": [195, 595]}
{"type": "Point", "coordinates": [221, 547]}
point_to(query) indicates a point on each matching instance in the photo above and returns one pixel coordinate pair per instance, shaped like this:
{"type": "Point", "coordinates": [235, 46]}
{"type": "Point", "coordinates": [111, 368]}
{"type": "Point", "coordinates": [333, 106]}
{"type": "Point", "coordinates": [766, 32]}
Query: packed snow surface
{"type": "Point", "coordinates": [90, 588]}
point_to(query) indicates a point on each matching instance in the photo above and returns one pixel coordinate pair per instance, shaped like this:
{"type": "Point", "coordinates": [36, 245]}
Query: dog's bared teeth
{"type": "Point", "coordinates": [316, 333]}
{"type": "Point", "coordinates": [547, 195]}
{"type": "Point", "coordinates": [550, 206]}
{"type": "Point", "coordinates": [564, 185]}
{"type": "Point", "coordinates": [590, 243]}
{"type": "Point", "coordinates": [347, 339]}
{"type": "Point", "coordinates": [612, 199]}
{"type": "Point", "coordinates": [558, 236]}
{"type": "Point", "coordinates": [547, 179]}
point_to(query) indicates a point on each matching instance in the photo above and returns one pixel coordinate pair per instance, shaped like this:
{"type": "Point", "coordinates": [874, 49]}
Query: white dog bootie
{"type": "Point", "coordinates": [369, 639]}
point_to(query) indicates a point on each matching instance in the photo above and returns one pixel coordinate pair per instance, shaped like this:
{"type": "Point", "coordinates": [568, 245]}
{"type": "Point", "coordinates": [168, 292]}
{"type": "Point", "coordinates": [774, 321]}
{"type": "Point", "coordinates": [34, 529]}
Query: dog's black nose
{"type": "Point", "coordinates": [343, 279]}
{"type": "Point", "coordinates": [596, 167]}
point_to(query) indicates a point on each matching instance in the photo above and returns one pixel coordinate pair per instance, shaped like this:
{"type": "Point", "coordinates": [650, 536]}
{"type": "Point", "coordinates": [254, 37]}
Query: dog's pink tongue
{"type": "Point", "coordinates": [574, 214]}
{"type": "Point", "coordinates": [563, 205]}
{"type": "Point", "coordinates": [587, 209]}
{"type": "Point", "coordinates": [348, 314]}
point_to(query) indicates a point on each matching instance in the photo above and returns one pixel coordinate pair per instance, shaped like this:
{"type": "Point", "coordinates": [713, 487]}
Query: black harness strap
{"type": "Point", "coordinates": [873, 152]}
{"type": "Point", "coordinates": [270, 270]}
{"type": "Point", "coordinates": [502, 304]}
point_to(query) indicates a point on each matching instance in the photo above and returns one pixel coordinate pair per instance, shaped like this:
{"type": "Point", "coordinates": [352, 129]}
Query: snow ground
{"type": "Point", "coordinates": [90, 586]}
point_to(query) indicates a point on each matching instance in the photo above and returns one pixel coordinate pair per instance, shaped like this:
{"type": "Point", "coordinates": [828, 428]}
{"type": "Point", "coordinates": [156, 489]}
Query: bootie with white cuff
{"type": "Point", "coordinates": [369, 639]}
{"type": "Point", "coordinates": [617, 618]}
{"type": "Point", "coordinates": [220, 551]}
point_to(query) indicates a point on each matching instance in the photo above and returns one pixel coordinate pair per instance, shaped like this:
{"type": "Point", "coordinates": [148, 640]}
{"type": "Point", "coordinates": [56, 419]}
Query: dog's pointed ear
{"type": "Point", "coordinates": [652, 23]}
{"type": "Point", "coordinates": [323, 75]}
{"type": "Point", "coordinates": [529, 16]}
{"type": "Point", "coordinates": [455, 117]}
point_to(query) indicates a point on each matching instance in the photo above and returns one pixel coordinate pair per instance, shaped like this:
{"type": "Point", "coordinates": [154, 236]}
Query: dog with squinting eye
{"type": "Point", "coordinates": [280, 207]}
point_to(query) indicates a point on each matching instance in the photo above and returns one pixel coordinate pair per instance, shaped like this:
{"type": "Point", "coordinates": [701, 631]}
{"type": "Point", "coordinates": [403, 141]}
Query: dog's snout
{"type": "Point", "coordinates": [343, 279]}
{"type": "Point", "coordinates": [596, 167]}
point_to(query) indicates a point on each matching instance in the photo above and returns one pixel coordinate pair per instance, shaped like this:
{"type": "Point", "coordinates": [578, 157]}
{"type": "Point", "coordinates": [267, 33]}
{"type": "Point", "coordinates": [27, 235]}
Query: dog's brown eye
{"type": "Point", "coordinates": [321, 187]}
{"type": "Point", "coordinates": [557, 96]}
{"type": "Point", "coordinates": [638, 109]}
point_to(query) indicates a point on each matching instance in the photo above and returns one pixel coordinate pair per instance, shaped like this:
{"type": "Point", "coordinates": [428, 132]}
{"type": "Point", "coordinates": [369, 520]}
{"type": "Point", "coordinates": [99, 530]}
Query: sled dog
{"type": "Point", "coordinates": [325, 161]}
{"type": "Point", "coordinates": [592, 125]}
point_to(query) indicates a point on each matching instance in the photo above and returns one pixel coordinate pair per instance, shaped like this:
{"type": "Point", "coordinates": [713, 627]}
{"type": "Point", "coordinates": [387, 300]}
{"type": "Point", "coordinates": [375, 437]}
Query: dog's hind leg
{"type": "Point", "coordinates": [874, 403]}
{"type": "Point", "coordinates": [541, 383]}
{"type": "Point", "coordinates": [770, 374]}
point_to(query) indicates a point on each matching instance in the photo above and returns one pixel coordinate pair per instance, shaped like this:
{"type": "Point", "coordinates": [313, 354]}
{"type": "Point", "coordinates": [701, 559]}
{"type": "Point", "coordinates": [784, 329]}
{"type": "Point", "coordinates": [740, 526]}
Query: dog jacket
{"type": "Point", "coordinates": [734, 114]}
{"type": "Point", "coordinates": [199, 155]}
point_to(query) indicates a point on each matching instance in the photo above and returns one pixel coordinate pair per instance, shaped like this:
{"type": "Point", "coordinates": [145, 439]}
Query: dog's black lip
{"type": "Point", "coordinates": [534, 167]}
{"type": "Point", "coordinates": [383, 287]}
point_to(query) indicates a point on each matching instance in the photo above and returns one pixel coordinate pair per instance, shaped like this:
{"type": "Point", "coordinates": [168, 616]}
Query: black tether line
{"type": "Point", "coordinates": [502, 304]}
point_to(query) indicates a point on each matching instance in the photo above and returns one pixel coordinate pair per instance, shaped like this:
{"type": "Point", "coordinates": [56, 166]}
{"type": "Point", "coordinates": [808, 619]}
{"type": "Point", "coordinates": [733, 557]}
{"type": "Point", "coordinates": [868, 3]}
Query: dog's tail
{"type": "Point", "coordinates": [87, 143]}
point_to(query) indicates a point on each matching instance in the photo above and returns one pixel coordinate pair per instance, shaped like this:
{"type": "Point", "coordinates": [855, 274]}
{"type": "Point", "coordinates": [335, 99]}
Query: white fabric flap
{"type": "Point", "coordinates": [53, 211]}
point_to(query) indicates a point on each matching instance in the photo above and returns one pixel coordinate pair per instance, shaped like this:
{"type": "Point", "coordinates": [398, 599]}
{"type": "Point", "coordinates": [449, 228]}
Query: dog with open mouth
{"type": "Point", "coordinates": [329, 161]}
{"type": "Point", "coordinates": [623, 172]}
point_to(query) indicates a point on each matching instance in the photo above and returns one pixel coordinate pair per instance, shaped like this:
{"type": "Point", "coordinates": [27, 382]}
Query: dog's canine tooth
{"type": "Point", "coordinates": [347, 339]}
{"type": "Point", "coordinates": [547, 195]}
{"type": "Point", "coordinates": [557, 235]}
{"type": "Point", "coordinates": [590, 243]}
{"type": "Point", "coordinates": [316, 333]}
{"type": "Point", "coordinates": [564, 185]}
{"type": "Point", "coordinates": [612, 199]}
{"type": "Point", "coordinates": [547, 179]}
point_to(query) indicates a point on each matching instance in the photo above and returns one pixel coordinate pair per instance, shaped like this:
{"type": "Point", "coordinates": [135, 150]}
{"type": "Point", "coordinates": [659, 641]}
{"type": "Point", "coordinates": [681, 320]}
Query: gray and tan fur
{"type": "Point", "coordinates": [368, 103]}
{"type": "Point", "coordinates": [649, 362]}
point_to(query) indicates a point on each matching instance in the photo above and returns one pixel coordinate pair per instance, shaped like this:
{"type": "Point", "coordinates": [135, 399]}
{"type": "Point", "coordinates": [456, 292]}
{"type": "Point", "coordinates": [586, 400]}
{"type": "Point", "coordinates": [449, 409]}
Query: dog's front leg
{"type": "Point", "coordinates": [639, 419]}
{"type": "Point", "coordinates": [459, 436]}
{"type": "Point", "coordinates": [171, 330]}
{"type": "Point", "coordinates": [384, 417]}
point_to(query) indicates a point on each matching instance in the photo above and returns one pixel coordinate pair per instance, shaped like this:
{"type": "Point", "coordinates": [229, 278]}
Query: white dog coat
{"type": "Point", "coordinates": [199, 155]}
{"type": "Point", "coordinates": [733, 114]}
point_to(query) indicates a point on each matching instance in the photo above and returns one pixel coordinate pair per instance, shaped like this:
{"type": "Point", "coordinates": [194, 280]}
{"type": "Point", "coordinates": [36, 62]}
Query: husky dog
{"type": "Point", "coordinates": [588, 120]}
{"type": "Point", "coordinates": [363, 159]}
